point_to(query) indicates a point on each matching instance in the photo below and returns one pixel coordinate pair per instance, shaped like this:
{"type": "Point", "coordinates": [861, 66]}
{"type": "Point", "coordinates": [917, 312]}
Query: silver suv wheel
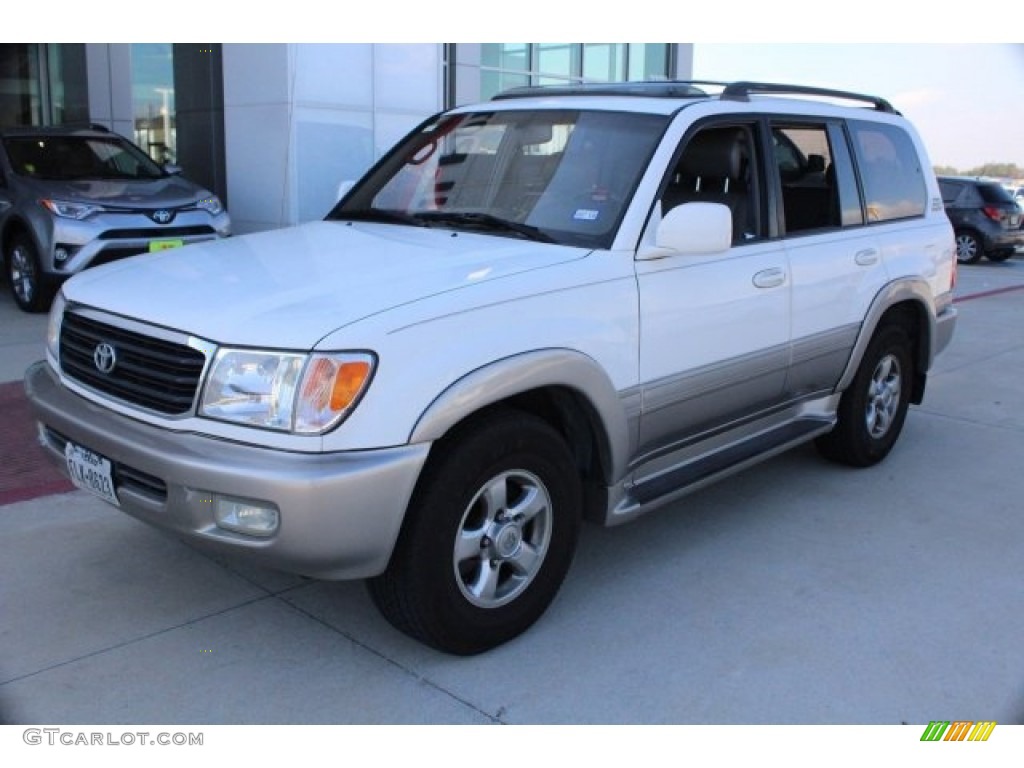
{"type": "Point", "coordinates": [503, 538]}
{"type": "Point", "coordinates": [883, 402]}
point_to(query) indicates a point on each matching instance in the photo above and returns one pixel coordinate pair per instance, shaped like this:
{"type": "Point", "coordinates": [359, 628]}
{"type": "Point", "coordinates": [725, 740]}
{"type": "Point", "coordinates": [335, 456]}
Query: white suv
{"type": "Point", "coordinates": [563, 304]}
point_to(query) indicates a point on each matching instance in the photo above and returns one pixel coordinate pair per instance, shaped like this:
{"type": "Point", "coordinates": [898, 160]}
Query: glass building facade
{"type": "Point", "coordinates": [275, 129]}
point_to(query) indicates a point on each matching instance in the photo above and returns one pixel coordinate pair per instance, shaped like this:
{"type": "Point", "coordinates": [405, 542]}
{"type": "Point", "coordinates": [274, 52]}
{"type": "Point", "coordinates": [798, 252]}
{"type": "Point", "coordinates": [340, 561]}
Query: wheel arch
{"type": "Point", "coordinates": [565, 388]}
{"type": "Point", "coordinates": [14, 226]}
{"type": "Point", "coordinates": [905, 303]}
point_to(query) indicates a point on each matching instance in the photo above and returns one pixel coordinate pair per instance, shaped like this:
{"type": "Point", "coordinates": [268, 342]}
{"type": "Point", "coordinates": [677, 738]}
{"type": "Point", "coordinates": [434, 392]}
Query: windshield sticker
{"type": "Point", "coordinates": [585, 214]}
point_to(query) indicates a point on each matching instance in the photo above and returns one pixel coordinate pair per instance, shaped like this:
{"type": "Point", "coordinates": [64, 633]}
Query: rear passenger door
{"type": "Point", "coordinates": [836, 261]}
{"type": "Point", "coordinates": [875, 232]}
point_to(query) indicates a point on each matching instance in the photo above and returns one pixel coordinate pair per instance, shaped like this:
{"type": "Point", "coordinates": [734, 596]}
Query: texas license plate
{"type": "Point", "coordinates": [164, 245]}
{"type": "Point", "coordinates": [90, 472]}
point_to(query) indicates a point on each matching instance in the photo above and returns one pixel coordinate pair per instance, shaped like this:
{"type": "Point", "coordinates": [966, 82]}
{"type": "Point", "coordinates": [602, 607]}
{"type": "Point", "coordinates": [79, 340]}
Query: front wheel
{"type": "Point", "coordinates": [874, 406]}
{"type": "Point", "coordinates": [999, 256]}
{"type": "Point", "coordinates": [488, 537]}
{"type": "Point", "coordinates": [29, 286]}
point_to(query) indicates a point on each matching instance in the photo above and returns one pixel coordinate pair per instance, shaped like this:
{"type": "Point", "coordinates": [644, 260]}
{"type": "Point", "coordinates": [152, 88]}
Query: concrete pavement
{"type": "Point", "coordinates": [797, 592]}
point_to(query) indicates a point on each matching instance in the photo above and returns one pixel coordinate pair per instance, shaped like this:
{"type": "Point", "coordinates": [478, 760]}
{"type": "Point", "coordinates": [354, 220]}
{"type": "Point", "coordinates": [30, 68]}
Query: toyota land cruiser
{"type": "Point", "coordinates": [564, 304]}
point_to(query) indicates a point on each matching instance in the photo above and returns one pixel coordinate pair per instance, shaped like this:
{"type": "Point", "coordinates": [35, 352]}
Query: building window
{"type": "Point", "coordinates": [153, 100]}
{"type": "Point", "coordinates": [508, 65]}
{"type": "Point", "coordinates": [43, 84]}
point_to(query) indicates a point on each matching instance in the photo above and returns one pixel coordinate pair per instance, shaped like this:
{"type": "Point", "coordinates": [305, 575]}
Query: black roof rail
{"type": "Point", "coordinates": [740, 91]}
{"type": "Point", "coordinates": [649, 88]}
{"type": "Point", "coordinates": [735, 91]}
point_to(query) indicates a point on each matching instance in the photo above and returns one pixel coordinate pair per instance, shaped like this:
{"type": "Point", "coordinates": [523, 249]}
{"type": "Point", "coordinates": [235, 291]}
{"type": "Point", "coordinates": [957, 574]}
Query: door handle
{"type": "Point", "coordinates": [867, 257]}
{"type": "Point", "coordinates": [770, 278]}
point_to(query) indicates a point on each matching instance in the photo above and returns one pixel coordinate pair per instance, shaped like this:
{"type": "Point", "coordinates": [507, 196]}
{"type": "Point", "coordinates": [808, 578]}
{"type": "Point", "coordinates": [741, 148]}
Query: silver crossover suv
{"type": "Point", "coordinates": [70, 199]}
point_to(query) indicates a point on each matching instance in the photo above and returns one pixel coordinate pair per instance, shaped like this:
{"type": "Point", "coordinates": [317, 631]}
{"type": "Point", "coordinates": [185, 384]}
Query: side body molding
{"type": "Point", "coordinates": [528, 371]}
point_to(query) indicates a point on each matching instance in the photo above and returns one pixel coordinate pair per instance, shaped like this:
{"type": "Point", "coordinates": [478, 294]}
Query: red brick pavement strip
{"type": "Point", "coordinates": [25, 471]}
{"type": "Point", "coordinates": [986, 294]}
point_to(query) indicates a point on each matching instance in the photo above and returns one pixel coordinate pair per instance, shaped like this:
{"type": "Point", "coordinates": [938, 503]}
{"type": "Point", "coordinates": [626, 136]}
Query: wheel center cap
{"type": "Point", "coordinates": [508, 540]}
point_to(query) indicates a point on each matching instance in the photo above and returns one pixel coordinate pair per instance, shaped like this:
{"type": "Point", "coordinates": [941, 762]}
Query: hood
{"type": "Point", "coordinates": [167, 192]}
{"type": "Point", "coordinates": [289, 288]}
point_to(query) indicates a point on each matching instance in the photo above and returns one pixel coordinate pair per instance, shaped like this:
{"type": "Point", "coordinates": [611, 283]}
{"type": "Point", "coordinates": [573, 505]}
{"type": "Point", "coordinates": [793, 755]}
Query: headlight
{"type": "Point", "coordinates": [53, 325]}
{"type": "Point", "coordinates": [306, 394]}
{"type": "Point", "coordinates": [69, 210]}
{"type": "Point", "coordinates": [211, 204]}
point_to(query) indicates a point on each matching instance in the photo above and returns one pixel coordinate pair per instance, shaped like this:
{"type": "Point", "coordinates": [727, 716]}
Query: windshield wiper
{"type": "Point", "coordinates": [487, 222]}
{"type": "Point", "coordinates": [377, 214]}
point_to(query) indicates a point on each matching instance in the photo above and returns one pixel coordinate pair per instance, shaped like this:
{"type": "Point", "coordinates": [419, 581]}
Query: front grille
{"type": "Point", "coordinates": [153, 373]}
{"type": "Point", "coordinates": [115, 254]}
{"type": "Point", "coordinates": [154, 233]}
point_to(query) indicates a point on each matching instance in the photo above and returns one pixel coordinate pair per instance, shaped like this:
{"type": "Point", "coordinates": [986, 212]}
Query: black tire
{"type": "Point", "coordinates": [872, 410]}
{"type": "Point", "coordinates": [462, 579]}
{"type": "Point", "coordinates": [969, 248]}
{"type": "Point", "coordinates": [31, 290]}
{"type": "Point", "coordinates": [998, 256]}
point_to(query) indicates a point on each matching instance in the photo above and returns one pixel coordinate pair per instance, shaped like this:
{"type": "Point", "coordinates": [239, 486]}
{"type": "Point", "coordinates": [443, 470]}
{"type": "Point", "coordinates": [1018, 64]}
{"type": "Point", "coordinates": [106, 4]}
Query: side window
{"type": "Point", "coordinates": [807, 173]}
{"type": "Point", "coordinates": [718, 165]}
{"type": "Point", "coordinates": [950, 191]}
{"type": "Point", "coordinates": [894, 186]}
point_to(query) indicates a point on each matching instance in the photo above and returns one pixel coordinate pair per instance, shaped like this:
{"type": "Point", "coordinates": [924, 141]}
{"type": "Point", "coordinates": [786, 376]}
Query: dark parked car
{"type": "Point", "coordinates": [71, 199]}
{"type": "Point", "coordinates": [985, 218]}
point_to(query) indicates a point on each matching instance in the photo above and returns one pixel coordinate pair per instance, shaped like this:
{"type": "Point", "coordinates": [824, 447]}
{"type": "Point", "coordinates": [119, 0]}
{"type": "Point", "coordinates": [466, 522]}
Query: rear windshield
{"type": "Point", "coordinates": [994, 193]}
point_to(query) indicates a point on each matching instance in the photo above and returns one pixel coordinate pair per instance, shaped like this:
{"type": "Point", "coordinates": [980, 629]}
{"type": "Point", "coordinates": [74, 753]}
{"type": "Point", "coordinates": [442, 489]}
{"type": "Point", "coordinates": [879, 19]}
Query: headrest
{"type": "Point", "coordinates": [535, 133]}
{"type": "Point", "coordinates": [714, 154]}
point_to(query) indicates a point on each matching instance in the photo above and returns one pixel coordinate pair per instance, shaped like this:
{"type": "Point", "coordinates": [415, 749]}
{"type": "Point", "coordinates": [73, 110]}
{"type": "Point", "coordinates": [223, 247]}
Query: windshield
{"type": "Point", "coordinates": [72, 158]}
{"type": "Point", "coordinates": [555, 176]}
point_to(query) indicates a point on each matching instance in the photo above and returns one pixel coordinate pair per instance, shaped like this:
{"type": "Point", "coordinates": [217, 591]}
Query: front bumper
{"type": "Point", "coordinates": [108, 237]}
{"type": "Point", "coordinates": [340, 513]}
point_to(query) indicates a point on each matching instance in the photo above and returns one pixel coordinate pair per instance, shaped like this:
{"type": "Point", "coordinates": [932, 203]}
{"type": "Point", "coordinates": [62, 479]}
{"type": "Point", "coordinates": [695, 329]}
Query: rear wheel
{"type": "Point", "coordinates": [488, 538]}
{"type": "Point", "coordinates": [31, 290]}
{"type": "Point", "coordinates": [968, 247]}
{"type": "Point", "coordinates": [873, 408]}
{"type": "Point", "coordinates": [998, 256]}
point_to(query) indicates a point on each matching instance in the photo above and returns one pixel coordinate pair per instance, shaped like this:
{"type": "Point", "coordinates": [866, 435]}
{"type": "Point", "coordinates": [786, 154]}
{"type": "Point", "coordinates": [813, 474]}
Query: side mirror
{"type": "Point", "coordinates": [172, 170]}
{"type": "Point", "coordinates": [693, 228]}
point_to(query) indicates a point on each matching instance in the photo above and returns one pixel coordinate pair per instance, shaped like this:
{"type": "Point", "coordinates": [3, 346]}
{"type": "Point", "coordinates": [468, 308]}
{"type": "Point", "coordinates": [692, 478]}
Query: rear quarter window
{"type": "Point", "coordinates": [891, 174]}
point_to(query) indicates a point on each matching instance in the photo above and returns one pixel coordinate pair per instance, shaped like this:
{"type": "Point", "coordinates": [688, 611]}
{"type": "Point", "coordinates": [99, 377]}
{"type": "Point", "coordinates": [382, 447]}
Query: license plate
{"type": "Point", "coordinates": [90, 472]}
{"type": "Point", "coordinates": [164, 245]}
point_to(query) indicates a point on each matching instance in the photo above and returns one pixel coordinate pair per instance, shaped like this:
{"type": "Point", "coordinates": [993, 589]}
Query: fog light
{"type": "Point", "coordinates": [60, 254]}
{"type": "Point", "coordinates": [243, 516]}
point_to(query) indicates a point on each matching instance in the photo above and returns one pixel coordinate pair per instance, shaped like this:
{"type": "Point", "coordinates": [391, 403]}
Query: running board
{"type": "Point", "coordinates": [674, 483]}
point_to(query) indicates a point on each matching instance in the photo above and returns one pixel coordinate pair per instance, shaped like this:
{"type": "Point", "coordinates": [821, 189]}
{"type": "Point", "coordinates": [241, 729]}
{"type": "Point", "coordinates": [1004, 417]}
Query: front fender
{"type": "Point", "coordinates": [528, 371]}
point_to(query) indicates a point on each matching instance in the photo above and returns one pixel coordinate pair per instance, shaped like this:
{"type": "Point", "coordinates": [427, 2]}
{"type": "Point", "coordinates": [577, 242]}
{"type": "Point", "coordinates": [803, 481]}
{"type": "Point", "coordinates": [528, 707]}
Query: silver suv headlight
{"type": "Point", "coordinates": [290, 392]}
{"type": "Point", "coordinates": [70, 210]}
{"type": "Point", "coordinates": [211, 204]}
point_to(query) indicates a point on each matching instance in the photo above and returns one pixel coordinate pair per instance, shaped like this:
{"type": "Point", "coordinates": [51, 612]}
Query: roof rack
{"type": "Point", "coordinates": [736, 91]}
{"type": "Point", "coordinates": [651, 88]}
{"type": "Point", "coordinates": [740, 91]}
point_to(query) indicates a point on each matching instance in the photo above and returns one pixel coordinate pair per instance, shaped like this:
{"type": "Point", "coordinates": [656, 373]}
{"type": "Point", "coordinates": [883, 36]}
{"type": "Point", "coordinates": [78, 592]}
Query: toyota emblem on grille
{"type": "Point", "coordinates": [104, 357]}
{"type": "Point", "coordinates": [162, 216]}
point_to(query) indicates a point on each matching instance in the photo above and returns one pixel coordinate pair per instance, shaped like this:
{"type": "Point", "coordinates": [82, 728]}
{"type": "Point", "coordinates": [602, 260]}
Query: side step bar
{"type": "Point", "coordinates": [674, 483]}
